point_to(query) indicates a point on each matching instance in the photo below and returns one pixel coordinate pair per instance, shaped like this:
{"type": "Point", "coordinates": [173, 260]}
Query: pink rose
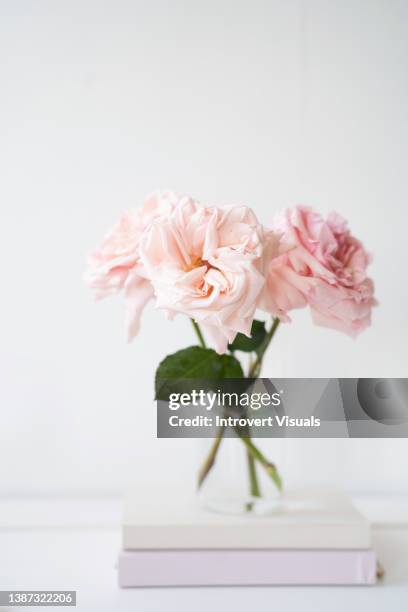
{"type": "Point", "coordinates": [321, 264]}
{"type": "Point", "coordinates": [116, 265]}
{"type": "Point", "coordinates": [207, 264]}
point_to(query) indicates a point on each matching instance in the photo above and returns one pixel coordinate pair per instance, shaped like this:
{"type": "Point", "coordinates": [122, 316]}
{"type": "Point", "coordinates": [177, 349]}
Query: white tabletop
{"type": "Point", "coordinates": [73, 545]}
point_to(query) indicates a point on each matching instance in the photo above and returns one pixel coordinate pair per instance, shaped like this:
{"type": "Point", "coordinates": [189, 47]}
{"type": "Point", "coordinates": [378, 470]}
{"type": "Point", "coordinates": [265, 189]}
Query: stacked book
{"type": "Point", "coordinates": [316, 538]}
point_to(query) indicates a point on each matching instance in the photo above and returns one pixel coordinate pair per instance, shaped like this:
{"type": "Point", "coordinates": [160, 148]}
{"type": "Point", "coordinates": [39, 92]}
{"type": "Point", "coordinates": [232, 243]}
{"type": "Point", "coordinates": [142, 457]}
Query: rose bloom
{"type": "Point", "coordinates": [321, 264]}
{"type": "Point", "coordinates": [207, 263]}
{"type": "Point", "coordinates": [115, 265]}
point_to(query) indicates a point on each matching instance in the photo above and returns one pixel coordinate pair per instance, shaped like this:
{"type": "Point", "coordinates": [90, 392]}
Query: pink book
{"type": "Point", "coordinates": [148, 568]}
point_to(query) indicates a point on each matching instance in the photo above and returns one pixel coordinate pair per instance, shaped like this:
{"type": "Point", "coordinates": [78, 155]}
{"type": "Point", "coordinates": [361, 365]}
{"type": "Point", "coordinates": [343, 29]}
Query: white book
{"type": "Point", "coordinates": [323, 519]}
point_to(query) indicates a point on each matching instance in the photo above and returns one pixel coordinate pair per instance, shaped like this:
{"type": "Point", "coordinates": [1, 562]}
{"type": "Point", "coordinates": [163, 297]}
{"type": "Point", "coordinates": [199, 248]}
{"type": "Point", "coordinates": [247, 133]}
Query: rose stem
{"type": "Point", "coordinates": [199, 333]}
{"type": "Point", "coordinates": [256, 454]}
{"type": "Point", "coordinates": [209, 462]}
{"type": "Point", "coordinates": [254, 488]}
{"type": "Point", "coordinates": [255, 369]}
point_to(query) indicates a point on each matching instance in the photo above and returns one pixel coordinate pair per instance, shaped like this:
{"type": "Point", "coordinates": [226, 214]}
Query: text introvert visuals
{"type": "Point", "coordinates": [231, 402]}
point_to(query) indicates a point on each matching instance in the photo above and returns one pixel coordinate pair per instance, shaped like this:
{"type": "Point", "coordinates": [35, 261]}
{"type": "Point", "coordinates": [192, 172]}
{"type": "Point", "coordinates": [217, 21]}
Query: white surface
{"type": "Point", "coordinates": [264, 102]}
{"type": "Point", "coordinates": [83, 557]}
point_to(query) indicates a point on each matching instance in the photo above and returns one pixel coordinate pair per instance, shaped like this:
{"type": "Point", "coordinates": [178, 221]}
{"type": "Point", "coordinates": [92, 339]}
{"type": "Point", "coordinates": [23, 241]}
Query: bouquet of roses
{"type": "Point", "coordinates": [217, 266]}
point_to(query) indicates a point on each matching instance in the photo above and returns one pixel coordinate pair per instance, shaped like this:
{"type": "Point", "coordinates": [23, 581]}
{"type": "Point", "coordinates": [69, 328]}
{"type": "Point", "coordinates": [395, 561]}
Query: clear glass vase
{"type": "Point", "coordinates": [235, 483]}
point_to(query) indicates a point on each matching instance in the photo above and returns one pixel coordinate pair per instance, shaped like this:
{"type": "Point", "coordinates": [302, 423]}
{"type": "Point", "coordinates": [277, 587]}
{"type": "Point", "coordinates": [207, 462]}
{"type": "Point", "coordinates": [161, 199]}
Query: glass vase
{"type": "Point", "coordinates": [232, 481]}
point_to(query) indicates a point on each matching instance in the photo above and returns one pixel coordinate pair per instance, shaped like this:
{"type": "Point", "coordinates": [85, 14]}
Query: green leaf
{"type": "Point", "coordinates": [231, 367]}
{"type": "Point", "coordinates": [180, 372]}
{"type": "Point", "coordinates": [243, 343]}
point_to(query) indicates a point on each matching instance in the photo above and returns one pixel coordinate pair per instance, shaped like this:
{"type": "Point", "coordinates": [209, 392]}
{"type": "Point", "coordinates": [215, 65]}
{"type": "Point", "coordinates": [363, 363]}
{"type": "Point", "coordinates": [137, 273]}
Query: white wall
{"type": "Point", "coordinates": [261, 102]}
